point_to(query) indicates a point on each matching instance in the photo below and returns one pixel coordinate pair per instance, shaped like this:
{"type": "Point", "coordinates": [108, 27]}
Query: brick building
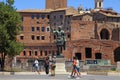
{"type": "Point", "coordinates": [55, 4]}
{"type": "Point", "coordinates": [91, 34]}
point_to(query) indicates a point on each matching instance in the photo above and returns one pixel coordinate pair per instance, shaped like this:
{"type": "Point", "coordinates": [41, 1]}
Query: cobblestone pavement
{"type": "Point", "coordinates": [57, 77]}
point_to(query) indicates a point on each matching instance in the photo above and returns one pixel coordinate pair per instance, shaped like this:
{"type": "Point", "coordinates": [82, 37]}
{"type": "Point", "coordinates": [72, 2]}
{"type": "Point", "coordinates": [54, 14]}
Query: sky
{"type": "Point", "coordinates": [86, 4]}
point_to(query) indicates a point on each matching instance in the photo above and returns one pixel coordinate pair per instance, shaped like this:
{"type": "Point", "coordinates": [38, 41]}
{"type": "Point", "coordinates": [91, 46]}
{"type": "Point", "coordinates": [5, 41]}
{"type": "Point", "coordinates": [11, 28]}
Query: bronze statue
{"type": "Point", "coordinates": [60, 39]}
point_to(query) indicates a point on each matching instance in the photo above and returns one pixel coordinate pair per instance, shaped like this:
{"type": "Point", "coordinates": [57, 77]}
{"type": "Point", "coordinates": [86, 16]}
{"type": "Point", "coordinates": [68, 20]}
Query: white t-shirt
{"type": "Point", "coordinates": [77, 63]}
{"type": "Point", "coordinates": [36, 62]}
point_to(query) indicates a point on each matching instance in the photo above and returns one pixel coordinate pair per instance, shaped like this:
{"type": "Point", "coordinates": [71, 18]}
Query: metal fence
{"type": "Point", "coordinates": [28, 66]}
{"type": "Point", "coordinates": [87, 65]}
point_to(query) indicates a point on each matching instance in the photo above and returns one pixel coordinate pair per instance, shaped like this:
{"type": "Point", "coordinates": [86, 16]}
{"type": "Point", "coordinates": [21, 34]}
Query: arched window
{"type": "Point", "coordinates": [117, 54]}
{"type": "Point", "coordinates": [104, 34]}
{"type": "Point", "coordinates": [100, 4]}
{"type": "Point", "coordinates": [30, 53]}
{"type": "Point", "coordinates": [36, 53]}
{"type": "Point", "coordinates": [24, 53]}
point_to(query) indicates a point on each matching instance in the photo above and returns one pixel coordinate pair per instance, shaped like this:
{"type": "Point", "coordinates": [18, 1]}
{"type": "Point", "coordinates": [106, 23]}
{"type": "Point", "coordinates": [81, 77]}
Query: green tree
{"type": "Point", "coordinates": [10, 22]}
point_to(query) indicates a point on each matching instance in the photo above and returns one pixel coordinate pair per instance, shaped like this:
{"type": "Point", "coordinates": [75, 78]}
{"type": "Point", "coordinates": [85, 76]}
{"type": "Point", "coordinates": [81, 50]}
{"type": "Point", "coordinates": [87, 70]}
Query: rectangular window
{"type": "Point", "coordinates": [43, 29]}
{"type": "Point", "coordinates": [38, 29]}
{"type": "Point", "coordinates": [30, 53]}
{"type": "Point", "coordinates": [32, 28]}
{"type": "Point", "coordinates": [88, 52]}
{"type": "Point", "coordinates": [37, 16]}
{"type": "Point", "coordinates": [100, 4]}
{"type": "Point", "coordinates": [41, 53]}
{"type": "Point", "coordinates": [42, 37]}
{"type": "Point", "coordinates": [48, 16]}
{"type": "Point", "coordinates": [38, 37]}
{"type": "Point", "coordinates": [48, 29]}
{"type": "Point", "coordinates": [68, 35]}
{"type": "Point", "coordinates": [32, 16]}
{"type": "Point", "coordinates": [33, 37]}
{"type": "Point", "coordinates": [43, 16]}
{"type": "Point", "coordinates": [36, 53]}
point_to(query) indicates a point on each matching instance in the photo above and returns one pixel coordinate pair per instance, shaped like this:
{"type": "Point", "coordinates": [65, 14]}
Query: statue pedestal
{"type": "Point", "coordinates": [60, 65]}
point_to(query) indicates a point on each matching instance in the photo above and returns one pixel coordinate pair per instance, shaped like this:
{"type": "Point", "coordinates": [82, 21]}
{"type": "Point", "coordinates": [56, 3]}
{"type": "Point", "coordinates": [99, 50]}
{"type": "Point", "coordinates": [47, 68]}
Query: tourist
{"type": "Point", "coordinates": [46, 65]}
{"type": "Point", "coordinates": [78, 69]}
{"type": "Point", "coordinates": [36, 63]}
{"type": "Point", "coordinates": [53, 65]}
{"type": "Point", "coordinates": [74, 67]}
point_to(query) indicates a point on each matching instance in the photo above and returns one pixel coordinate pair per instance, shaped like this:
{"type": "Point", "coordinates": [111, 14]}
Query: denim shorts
{"type": "Point", "coordinates": [78, 69]}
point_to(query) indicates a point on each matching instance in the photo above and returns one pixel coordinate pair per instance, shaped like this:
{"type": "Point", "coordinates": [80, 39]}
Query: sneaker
{"type": "Point", "coordinates": [69, 77]}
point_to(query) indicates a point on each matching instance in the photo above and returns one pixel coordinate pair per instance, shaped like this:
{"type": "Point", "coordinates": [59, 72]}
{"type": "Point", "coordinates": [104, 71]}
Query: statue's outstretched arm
{"type": "Point", "coordinates": [52, 30]}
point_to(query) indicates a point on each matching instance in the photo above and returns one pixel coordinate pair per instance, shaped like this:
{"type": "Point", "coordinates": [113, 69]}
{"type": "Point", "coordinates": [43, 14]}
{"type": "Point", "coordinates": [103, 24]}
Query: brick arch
{"type": "Point", "coordinates": [117, 54]}
{"type": "Point", "coordinates": [104, 34]}
{"type": "Point", "coordinates": [105, 26]}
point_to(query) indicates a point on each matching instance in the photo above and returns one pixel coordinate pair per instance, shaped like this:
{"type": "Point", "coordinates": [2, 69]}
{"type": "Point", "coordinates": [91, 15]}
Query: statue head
{"type": "Point", "coordinates": [59, 28]}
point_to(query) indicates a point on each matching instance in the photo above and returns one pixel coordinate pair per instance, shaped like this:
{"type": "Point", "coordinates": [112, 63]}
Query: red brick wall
{"type": "Point", "coordinates": [82, 30]}
{"type": "Point", "coordinates": [28, 23]}
{"type": "Point", "coordinates": [55, 4]}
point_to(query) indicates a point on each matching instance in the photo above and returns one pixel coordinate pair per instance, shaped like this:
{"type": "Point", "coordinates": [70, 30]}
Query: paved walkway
{"type": "Point", "coordinates": [35, 73]}
{"type": "Point", "coordinates": [57, 77]}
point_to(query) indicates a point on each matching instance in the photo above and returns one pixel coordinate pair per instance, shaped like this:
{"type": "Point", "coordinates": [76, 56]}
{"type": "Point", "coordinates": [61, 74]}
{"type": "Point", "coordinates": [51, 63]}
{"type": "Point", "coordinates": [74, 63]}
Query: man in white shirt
{"type": "Point", "coordinates": [37, 66]}
{"type": "Point", "coordinates": [78, 69]}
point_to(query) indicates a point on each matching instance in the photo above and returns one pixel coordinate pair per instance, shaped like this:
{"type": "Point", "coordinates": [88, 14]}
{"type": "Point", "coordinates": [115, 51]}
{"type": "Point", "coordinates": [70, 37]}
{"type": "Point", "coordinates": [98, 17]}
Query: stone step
{"type": "Point", "coordinates": [60, 64]}
{"type": "Point", "coordinates": [60, 67]}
